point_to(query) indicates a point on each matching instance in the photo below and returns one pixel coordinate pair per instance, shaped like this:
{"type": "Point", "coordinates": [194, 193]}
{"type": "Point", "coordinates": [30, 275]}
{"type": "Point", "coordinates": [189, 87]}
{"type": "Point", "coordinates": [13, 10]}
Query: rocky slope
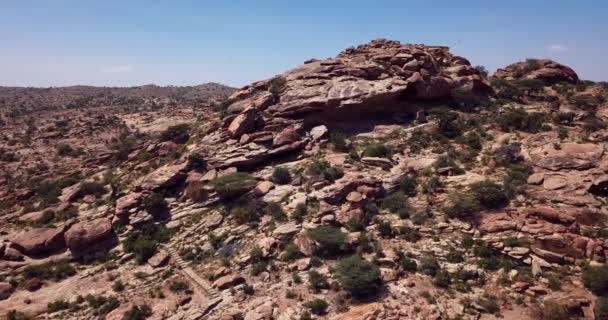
{"type": "Point", "coordinates": [391, 182]}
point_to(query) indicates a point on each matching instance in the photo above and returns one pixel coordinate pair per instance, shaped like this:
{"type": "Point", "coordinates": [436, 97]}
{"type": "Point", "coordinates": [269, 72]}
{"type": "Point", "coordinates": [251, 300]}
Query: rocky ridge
{"type": "Point", "coordinates": [458, 197]}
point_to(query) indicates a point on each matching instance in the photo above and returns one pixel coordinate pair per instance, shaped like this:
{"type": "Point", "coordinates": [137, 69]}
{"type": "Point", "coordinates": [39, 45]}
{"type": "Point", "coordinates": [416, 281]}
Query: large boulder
{"type": "Point", "coordinates": [545, 70]}
{"type": "Point", "coordinates": [577, 156]}
{"type": "Point", "coordinates": [39, 241]}
{"type": "Point", "coordinates": [164, 177]}
{"type": "Point", "coordinates": [84, 234]}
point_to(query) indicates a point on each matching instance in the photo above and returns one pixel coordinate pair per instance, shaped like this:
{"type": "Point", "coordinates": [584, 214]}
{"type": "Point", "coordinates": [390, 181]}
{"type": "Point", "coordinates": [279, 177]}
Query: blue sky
{"type": "Point", "coordinates": [123, 43]}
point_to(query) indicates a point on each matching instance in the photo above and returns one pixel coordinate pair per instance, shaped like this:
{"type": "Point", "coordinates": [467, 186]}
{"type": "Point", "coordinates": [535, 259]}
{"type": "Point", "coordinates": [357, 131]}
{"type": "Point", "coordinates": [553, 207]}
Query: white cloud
{"type": "Point", "coordinates": [117, 69]}
{"type": "Point", "coordinates": [556, 48]}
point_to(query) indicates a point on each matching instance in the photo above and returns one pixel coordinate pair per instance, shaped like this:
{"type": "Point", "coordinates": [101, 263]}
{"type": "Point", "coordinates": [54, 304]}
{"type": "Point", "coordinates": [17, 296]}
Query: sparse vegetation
{"type": "Point", "coordinates": [281, 175]}
{"type": "Point", "coordinates": [233, 185]}
{"type": "Point", "coordinates": [330, 240]}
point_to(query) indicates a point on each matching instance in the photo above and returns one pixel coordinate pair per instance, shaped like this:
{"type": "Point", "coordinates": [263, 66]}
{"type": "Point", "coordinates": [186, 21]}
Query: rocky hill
{"type": "Point", "coordinates": [391, 182]}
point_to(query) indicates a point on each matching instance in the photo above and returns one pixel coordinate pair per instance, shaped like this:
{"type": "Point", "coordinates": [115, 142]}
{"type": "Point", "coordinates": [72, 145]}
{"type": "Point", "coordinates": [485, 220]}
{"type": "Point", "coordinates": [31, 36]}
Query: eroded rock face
{"type": "Point", "coordinates": [84, 234]}
{"type": "Point", "coordinates": [545, 70]}
{"type": "Point", "coordinates": [39, 240]}
{"type": "Point", "coordinates": [382, 76]}
{"type": "Point", "coordinates": [164, 177]}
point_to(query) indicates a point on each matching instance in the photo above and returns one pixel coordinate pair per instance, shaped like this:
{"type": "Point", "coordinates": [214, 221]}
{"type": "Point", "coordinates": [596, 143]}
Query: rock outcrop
{"type": "Point", "coordinates": [82, 235]}
{"type": "Point", "coordinates": [273, 117]}
{"type": "Point", "coordinates": [545, 70]}
{"type": "Point", "coordinates": [39, 241]}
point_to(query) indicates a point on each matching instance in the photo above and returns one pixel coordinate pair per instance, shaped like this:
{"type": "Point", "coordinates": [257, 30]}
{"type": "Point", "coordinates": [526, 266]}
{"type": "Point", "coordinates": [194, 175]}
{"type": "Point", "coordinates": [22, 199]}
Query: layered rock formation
{"type": "Point", "coordinates": [271, 117]}
{"type": "Point", "coordinates": [545, 70]}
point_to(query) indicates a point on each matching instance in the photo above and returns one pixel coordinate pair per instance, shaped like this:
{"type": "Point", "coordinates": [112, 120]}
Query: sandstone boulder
{"type": "Point", "coordinates": [164, 177]}
{"type": "Point", "coordinates": [40, 240]}
{"type": "Point", "coordinates": [228, 281]}
{"type": "Point", "coordinates": [83, 234]}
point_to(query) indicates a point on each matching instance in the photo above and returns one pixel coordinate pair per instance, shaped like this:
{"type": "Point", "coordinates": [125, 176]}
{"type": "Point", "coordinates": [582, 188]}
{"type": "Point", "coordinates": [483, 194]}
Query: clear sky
{"type": "Point", "coordinates": [123, 43]}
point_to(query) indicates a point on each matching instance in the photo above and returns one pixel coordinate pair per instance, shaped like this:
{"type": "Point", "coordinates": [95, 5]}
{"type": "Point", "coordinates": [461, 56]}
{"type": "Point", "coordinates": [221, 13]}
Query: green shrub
{"type": "Point", "coordinates": [519, 119]}
{"type": "Point", "coordinates": [51, 271]}
{"type": "Point", "coordinates": [488, 303]}
{"type": "Point", "coordinates": [281, 175]}
{"type": "Point", "coordinates": [277, 86]}
{"type": "Point", "coordinates": [16, 315]}
{"type": "Point", "coordinates": [179, 286]}
{"type": "Point", "coordinates": [196, 162]}
{"type": "Point", "coordinates": [489, 194]}
{"type": "Point", "coordinates": [465, 100]}
{"type": "Point", "coordinates": [92, 188]}
{"type": "Point", "coordinates": [118, 286]}
{"type": "Point", "coordinates": [338, 140]}
{"type": "Point", "coordinates": [291, 252]}
{"type": "Point", "coordinates": [58, 305]}
{"type": "Point", "coordinates": [595, 278]}
{"type": "Point", "coordinates": [317, 281]}
{"type": "Point", "coordinates": [407, 264]}
{"type": "Point", "coordinates": [516, 178]}
{"type": "Point", "coordinates": [322, 169]}
{"type": "Point", "coordinates": [410, 234]}
{"type": "Point", "coordinates": [454, 256]}
{"type": "Point", "coordinates": [508, 154]}
{"type": "Point", "coordinates": [178, 133]}
{"type": "Point", "coordinates": [330, 240]}
{"type": "Point", "coordinates": [155, 204]}
{"type": "Point", "coordinates": [394, 201]}
{"type": "Point", "coordinates": [462, 205]}
{"type": "Point", "coordinates": [407, 185]}
{"type": "Point", "coordinates": [317, 306]}
{"type": "Point", "coordinates": [550, 310]}
{"type": "Point", "coordinates": [601, 308]}
{"type": "Point", "coordinates": [138, 313]}
{"type": "Point", "coordinates": [65, 150]}
{"type": "Point", "coordinates": [244, 213]}
{"type": "Point", "coordinates": [384, 229]}
{"type": "Point", "coordinates": [300, 212]}
{"type": "Point", "coordinates": [442, 279]}
{"type": "Point", "coordinates": [358, 276]}
{"type": "Point", "coordinates": [233, 185]}
{"type": "Point", "coordinates": [101, 305]}
{"type": "Point", "coordinates": [377, 150]}
{"type": "Point", "coordinates": [450, 125]}
{"type": "Point", "coordinates": [275, 210]}
{"type": "Point", "coordinates": [429, 266]}
{"type": "Point", "coordinates": [143, 242]}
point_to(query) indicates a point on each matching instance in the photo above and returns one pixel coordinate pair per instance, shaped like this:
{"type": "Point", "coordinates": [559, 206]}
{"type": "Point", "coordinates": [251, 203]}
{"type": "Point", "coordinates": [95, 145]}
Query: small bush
{"type": "Point", "coordinates": [58, 305]}
{"type": "Point", "coordinates": [601, 308]}
{"type": "Point", "coordinates": [407, 264]}
{"type": "Point", "coordinates": [143, 242]}
{"type": "Point", "coordinates": [394, 202]}
{"type": "Point", "coordinates": [155, 205]}
{"type": "Point", "coordinates": [377, 150]}
{"type": "Point", "coordinates": [317, 306]}
{"type": "Point", "coordinates": [462, 205]}
{"type": "Point", "coordinates": [338, 140]}
{"type": "Point", "coordinates": [179, 286]}
{"type": "Point", "coordinates": [118, 286]}
{"type": "Point", "coordinates": [281, 175]}
{"type": "Point", "coordinates": [233, 185]}
{"type": "Point", "coordinates": [92, 188]}
{"type": "Point", "coordinates": [454, 256]}
{"type": "Point", "coordinates": [291, 252]}
{"type": "Point", "coordinates": [489, 194]}
{"type": "Point", "coordinates": [519, 119]}
{"type": "Point", "coordinates": [429, 266]}
{"type": "Point", "coordinates": [550, 310]}
{"type": "Point", "coordinates": [65, 150]}
{"type": "Point", "coordinates": [330, 240]}
{"type": "Point", "coordinates": [385, 230]}
{"type": "Point", "coordinates": [138, 313]}
{"type": "Point", "coordinates": [508, 154]}
{"type": "Point", "coordinates": [595, 278]}
{"type": "Point", "coordinates": [196, 162]}
{"type": "Point", "coordinates": [277, 86]}
{"type": "Point", "coordinates": [101, 305]}
{"type": "Point", "coordinates": [244, 213]}
{"type": "Point", "coordinates": [442, 279]}
{"type": "Point", "coordinates": [51, 271]}
{"type": "Point", "coordinates": [358, 276]}
{"type": "Point", "coordinates": [177, 133]}
{"type": "Point", "coordinates": [317, 281]}
{"type": "Point", "coordinates": [275, 210]}
{"type": "Point", "coordinates": [322, 169]}
{"type": "Point", "coordinates": [407, 185]}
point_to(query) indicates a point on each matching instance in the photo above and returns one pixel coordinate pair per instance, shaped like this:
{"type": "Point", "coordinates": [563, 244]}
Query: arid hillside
{"type": "Point", "coordinates": [394, 181]}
